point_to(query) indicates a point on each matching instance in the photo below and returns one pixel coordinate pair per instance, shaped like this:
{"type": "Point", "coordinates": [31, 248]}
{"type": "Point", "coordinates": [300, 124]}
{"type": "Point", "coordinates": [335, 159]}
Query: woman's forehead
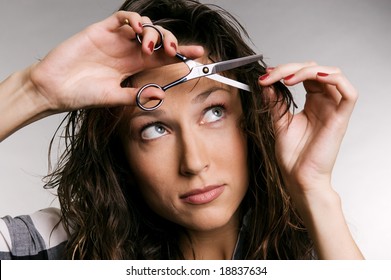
{"type": "Point", "coordinates": [160, 75]}
{"type": "Point", "coordinates": [189, 93]}
{"type": "Point", "coordinates": [164, 74]}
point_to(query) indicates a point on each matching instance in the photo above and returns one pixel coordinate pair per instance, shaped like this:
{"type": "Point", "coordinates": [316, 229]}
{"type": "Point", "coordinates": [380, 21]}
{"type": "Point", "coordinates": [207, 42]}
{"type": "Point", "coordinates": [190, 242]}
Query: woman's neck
{"type": "Point", "coordinates": [216, 244]}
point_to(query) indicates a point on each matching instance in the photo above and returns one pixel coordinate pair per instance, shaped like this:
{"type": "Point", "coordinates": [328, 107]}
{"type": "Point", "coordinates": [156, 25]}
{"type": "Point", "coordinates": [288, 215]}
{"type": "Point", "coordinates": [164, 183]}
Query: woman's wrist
{"type": "Point", "coordinates": [323, 216]}
{"type": "Point", "coordinates": [314, 203]}
{"type": "Point", "coordinates": [20, 102]}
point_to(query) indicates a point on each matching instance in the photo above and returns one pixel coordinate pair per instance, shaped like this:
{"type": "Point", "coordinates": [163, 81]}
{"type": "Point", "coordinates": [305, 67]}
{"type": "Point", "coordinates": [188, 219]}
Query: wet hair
{"type": "Point", "coordinates": [102, 209]}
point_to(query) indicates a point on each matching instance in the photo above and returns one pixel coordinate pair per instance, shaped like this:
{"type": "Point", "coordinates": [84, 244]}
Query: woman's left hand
{"type": "Point", "coordinates": [307, 143]}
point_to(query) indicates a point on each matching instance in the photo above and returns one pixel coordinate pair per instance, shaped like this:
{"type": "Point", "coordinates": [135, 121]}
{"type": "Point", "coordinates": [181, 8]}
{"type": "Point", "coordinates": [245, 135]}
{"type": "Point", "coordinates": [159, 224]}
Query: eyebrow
{"type": "Point", "coordinates": [155, 113]}
{"type": "Point", "coordinates": [200, 98]}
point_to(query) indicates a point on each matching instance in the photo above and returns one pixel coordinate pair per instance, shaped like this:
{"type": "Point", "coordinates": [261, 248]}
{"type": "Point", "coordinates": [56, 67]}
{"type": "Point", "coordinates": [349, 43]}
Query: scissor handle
{"type": "Point", "coordinates": [140, 102]}
{"type": "Point", "coordinates": [159, 45]}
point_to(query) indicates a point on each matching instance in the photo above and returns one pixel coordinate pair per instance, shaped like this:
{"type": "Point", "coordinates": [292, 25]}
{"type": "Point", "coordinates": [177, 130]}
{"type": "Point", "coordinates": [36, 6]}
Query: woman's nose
{"type": "Point", "coordinates": [194, 156]}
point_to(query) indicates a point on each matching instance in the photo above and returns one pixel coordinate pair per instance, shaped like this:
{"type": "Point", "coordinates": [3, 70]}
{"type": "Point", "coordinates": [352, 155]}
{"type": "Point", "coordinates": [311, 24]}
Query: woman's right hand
{"type": "Point", "coordinates": [87, 69]}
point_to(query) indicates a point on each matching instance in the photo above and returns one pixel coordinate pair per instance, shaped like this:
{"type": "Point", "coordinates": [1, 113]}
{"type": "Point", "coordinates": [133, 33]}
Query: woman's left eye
{"type": "Point", "coordinates": [153, 131]}
{"type": "Point", "coordinates": [213, 114]}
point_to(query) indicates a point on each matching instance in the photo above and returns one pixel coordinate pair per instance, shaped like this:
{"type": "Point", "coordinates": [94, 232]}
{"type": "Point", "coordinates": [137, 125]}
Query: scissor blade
{"type": "Point", "coordinates": [228, 81]}
{"type": "Point", "coordinates": [237, 62]}
{"type": "Point", "coordinates": [225, 80]}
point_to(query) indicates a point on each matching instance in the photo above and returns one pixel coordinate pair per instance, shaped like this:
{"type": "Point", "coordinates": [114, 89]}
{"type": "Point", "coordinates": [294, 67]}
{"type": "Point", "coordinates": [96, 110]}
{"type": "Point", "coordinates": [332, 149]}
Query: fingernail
{"type": "Point", "coordinates": [289, 77]}
{"type": "Point", "coordinates": [173, 46]}
{"type": "Point", "coordinates": [269, 69]}
{"type": "Point", "coordinates": [140, 25]}
{"type": "Point", "coordinates": [322, 74]}
{"type": "Point", "coordinates": [151, 46]}
{"type": "Point", "coordinates": [264, 77]}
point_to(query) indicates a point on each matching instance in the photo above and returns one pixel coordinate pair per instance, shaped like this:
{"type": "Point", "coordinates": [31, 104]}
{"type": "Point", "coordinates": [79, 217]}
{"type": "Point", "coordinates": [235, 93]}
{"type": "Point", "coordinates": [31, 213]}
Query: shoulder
{"type": "Point", "coordinates": [39, 235]}
{"type": "Point", "coordinates": [47, 222]}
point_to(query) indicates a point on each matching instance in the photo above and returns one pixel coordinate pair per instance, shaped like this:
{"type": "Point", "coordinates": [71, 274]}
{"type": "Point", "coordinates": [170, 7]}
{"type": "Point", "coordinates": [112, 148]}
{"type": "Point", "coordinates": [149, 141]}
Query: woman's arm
{"type": "Point", "coordinates": [86, 71]}
{"type": "Point", "coordinates": [307, 145]}
{"type": "Point", "coordinates": [19, 103]}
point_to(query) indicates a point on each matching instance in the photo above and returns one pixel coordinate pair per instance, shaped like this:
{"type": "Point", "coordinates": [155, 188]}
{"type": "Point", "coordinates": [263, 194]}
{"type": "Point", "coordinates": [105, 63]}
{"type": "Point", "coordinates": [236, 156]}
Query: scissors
{"type": "Point", "coordinates": [196, 70]}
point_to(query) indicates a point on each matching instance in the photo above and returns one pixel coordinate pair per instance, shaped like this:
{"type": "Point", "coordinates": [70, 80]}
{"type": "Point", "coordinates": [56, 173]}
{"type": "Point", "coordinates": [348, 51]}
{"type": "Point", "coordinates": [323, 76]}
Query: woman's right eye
{"type": "Point", "coordinates": [153, 131]}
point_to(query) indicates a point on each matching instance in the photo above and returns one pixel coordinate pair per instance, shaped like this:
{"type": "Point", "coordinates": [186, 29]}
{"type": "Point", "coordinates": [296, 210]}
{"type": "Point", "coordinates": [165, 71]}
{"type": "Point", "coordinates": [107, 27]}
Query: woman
{"type": "Point", "coordinates": [214, 173]}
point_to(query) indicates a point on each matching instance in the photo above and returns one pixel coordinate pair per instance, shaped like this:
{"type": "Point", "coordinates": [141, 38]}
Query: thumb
{"type": "Point", "coordinates": [127, 96]}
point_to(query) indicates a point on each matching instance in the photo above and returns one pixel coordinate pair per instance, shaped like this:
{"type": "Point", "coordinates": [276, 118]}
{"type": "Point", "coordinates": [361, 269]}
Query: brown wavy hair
{"type": "Point", "coordinates": [102, 209]}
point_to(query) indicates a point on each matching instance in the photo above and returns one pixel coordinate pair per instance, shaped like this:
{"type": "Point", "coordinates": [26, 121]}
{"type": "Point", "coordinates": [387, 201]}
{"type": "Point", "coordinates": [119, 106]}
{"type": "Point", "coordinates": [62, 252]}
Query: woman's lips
{"type": "Point", "coordinates": [204, 195]}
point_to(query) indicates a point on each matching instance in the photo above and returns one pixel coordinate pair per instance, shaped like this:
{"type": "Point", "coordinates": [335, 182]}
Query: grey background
{"type": "Point", "coordinates": [351, 34]}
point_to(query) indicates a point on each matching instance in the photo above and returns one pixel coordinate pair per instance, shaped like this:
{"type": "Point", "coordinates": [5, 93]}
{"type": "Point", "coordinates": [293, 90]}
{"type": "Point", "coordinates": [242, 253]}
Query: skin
{"type": "Point", "coordinates": [173, 151]}
{"type": "Point", "coordinates": [307, 143]}
{"type": "Point", "coordinates": [67, 78]}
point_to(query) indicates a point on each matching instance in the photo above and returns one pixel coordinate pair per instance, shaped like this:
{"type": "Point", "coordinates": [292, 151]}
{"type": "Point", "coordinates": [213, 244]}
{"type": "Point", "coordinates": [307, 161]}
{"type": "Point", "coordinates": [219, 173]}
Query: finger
{"type": "Point", "coordinates": [191, 51]}
{"type": "Point", "coordinates": [308, 73]}
{"type": "Point", "coordinates": [135, 21]}
{"type": "Point", "coordinates": [308, 76]}
{"type": "Point", "coordinates": [150, 37]}
{"type": "Point", "coordinates": [170, 42]}
{"type": "Point", "coordinates": [316, 80]}
{"type": "Point", "coordinates": [126, 31]}
{"type": "Point", "coordinates": [171, 47]}
{"type": "Point", "coordinates": [322, 88]}
{"type": "Point", "coordinates": [347, 91]}
{"type": "Point", "coordinates": [280, 72]}
{"type": "Point", "coordinates": [125, 96]}
{"type": "Point", "coordinates": [121, 18]}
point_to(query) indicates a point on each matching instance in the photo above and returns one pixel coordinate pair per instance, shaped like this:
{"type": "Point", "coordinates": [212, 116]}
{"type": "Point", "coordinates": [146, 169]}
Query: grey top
{"type": "Point", "coordinates": [36, 236]}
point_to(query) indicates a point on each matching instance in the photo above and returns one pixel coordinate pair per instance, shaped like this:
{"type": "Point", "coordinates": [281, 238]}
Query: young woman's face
{"type": "Point", "coordinates": [189, 157]}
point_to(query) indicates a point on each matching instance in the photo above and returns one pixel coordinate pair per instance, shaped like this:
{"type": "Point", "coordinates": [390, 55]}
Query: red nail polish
{"type": "Point", "coordinates": [151, 46]}
{"type": "Point", "coordinates": [140, 25]}
{"type": "Point", "coordinates": [264, 77]}
{"type": "Point", "coordinates": [321, 74]}
{"type": "Point", "coordinates": [289, 77]}
{"type": "Point", "coordinates": [269, 69]}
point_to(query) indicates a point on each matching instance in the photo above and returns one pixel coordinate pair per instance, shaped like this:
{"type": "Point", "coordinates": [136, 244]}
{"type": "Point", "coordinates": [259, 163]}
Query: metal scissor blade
{"type": "Point", "coordinates": [228, 81]}
{"type": "Point", "coordinates": [233, 63]}
{"type": "Point", "coordinates": [225, 80]}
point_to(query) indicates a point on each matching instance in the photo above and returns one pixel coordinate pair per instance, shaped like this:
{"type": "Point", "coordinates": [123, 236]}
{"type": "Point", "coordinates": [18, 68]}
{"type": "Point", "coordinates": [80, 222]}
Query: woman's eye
{"type": "Point", "coordinates": [213, 114]}
{"type": "Point", "coordinates": [153, 131]}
